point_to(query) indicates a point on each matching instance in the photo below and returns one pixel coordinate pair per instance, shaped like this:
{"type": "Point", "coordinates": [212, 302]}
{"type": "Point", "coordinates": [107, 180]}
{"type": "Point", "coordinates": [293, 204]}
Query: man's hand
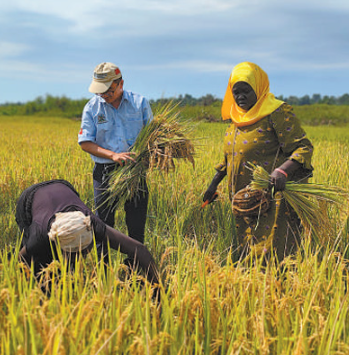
{"type": "Point", "coordinates": [96, 150]}
{"type": "Point", "coordinates": [123, 158]}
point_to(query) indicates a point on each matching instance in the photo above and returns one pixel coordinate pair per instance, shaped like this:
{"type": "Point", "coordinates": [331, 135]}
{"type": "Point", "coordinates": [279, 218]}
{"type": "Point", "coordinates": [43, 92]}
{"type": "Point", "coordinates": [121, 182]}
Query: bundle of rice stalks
{"type": "Point", "coordinates": [158, 144]}
{"type": "Point", "coordinates": [309, 200]}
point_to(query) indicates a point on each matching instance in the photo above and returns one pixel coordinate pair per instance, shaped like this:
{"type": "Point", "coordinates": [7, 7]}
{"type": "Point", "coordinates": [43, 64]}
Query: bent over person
{"type": "Point", "coordinates": [52, 210]}
{"type": "Point", "coordinates": [111, 122]}
{"type": "Point", "coordinates": [264, 131]}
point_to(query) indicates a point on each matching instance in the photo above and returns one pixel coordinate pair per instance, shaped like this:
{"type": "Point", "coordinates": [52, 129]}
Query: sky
{"type": "Point", "coordinates": [171, 48]}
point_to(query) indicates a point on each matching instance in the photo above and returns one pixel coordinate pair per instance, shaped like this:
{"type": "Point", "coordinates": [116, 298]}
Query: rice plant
{"type": "Point", "coordinates": [211, 303]}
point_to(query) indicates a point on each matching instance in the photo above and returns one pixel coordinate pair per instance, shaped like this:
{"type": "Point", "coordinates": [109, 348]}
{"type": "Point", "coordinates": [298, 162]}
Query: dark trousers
{"type": "Point", "coordinates": [136, 209]}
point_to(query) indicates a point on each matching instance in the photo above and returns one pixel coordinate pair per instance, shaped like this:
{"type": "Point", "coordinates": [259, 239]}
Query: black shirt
{"type": "Point", "coordinates": [48, 199]}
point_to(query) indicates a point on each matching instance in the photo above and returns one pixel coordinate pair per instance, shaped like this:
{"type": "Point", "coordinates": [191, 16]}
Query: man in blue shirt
{"type": "Point", "coordinates": [111, 122]}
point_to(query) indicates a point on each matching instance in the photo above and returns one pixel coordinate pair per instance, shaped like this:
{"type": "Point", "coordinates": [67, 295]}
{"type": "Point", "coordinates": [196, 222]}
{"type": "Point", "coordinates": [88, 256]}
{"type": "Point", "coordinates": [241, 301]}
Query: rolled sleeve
{"type": "Point", "coordinates": [88, 128]}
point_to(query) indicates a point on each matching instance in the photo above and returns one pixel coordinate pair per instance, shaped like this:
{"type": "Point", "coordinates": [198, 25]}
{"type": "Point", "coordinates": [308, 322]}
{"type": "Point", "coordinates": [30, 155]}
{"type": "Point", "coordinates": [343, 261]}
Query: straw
{"type": "Point", "coordinates": [309, 200]}
{"type": "Point", "coordinates": [158, 145]}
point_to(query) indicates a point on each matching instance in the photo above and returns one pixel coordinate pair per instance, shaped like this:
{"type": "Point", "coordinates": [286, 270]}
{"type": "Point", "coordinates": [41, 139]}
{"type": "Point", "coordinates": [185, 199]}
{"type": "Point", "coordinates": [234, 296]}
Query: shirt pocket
{"type": "Point", "coordinates": [134, 119]}
{"type": "Point", "coordinates": [134, 124]}
{"type": "Point", "coordinates": [104, 133]}
{"type": "Point", "coordinates": [104, 128]}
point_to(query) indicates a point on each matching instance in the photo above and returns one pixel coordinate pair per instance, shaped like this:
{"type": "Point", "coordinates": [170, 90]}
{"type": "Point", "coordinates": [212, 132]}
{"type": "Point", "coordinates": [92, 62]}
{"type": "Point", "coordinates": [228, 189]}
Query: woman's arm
{"type": "Point", "coordinates": [292, 138]}
{"type": "Point", "coordinates": [135, 250]}
{"type": "Point", "coordinates": [209, 194]}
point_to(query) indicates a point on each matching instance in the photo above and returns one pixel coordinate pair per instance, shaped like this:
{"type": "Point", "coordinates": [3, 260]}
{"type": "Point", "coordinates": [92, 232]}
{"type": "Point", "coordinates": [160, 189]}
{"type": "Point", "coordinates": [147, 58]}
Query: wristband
{"type": "Point", "coordinates": [281, 171]}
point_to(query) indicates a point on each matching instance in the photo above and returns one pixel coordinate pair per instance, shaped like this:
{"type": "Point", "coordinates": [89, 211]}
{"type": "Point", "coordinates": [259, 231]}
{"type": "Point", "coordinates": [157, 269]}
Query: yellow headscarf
{"type": "Point", "coordinates": [266, 101]}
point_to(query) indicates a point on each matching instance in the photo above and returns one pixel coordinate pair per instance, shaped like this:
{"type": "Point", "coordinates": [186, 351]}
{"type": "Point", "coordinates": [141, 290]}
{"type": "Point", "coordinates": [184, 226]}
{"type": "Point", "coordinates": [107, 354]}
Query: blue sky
{"type": "Point", "coordinates": [171, 48]}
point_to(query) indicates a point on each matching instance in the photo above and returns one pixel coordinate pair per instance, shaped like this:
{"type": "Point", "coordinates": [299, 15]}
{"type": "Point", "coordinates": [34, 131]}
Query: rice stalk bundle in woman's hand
{"type": "Point", "coordinates": [309, 200]}
{"type": "Point", "coordinates": [158, 144]}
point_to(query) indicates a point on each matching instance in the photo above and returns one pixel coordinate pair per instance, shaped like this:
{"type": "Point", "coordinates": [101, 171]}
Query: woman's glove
{"type": "Point", "coordinates": [208, 195]}
{"type": "Point", "coordinates": [210, 192]}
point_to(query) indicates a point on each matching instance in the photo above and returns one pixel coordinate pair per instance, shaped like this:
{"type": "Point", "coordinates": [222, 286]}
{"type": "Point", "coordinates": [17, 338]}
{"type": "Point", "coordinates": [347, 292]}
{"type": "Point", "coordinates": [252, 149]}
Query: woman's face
{"type": "Point", "coordinates": [244, 95]}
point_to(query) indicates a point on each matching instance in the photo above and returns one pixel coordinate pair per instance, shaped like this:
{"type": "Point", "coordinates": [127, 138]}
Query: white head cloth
{"type": "Point", "coordinates": [73, 230]}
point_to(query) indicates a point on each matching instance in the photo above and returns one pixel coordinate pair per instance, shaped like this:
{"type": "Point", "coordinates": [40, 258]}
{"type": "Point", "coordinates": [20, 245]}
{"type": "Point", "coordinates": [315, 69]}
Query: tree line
{"type": "Point", "coordinates": [209, 99]}
{"type": "Point", "coordinates": [65, 107]}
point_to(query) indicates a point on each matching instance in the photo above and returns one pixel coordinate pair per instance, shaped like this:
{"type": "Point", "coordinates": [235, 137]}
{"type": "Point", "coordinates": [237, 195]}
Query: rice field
{"type": "Point", "coordinates": [211, 303]}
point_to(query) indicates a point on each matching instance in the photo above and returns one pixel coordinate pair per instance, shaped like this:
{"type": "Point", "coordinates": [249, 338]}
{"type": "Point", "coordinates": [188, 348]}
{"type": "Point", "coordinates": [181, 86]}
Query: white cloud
{"type": "Point", "coordinates": [91, 15]}
{"type": "Point", "coordinates": [47, 41]}
{"type": "Point", "coordinates": [301, 5]}
{"type": "Point", "coordinates": [190, 65]}
{"type": "Point", "coordinates": [311, 65]}
{"type": "Point", "coordinates": [24, 70]}
{"type": "Point", "coordinates": [185, 7]}
{"type": "Point", "coordinates": [10, 49]}
{"type": "Point", "coordinates": [84, 15]}
{"type": "Point", "coordinates": [70, 8]}
{"type": "Point", "coordinates": [20, 69]}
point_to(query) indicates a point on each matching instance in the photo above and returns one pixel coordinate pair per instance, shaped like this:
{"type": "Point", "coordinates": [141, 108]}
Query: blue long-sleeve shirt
{"type": "Point", "coordinates": [111, 128]}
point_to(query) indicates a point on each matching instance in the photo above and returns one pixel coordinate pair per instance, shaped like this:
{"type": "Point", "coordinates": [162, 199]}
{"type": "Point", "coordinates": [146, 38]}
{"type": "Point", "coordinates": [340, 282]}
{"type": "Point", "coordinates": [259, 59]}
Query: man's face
{"type": "Point", "coordinates": [244, 95]}
{"type": "Point", "coordinates": [114, 92]}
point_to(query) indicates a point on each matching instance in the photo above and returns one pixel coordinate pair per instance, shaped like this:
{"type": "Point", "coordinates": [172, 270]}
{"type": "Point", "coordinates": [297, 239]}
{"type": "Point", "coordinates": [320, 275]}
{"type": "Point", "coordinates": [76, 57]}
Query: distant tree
{"type": "Point", "coordinates": [315, 99]}
{"type": "Point", "coordinates": [343, 100]}
{"type": "Point", "coordinates": [305, 100]}
{"type": "Point", "coordinates": [39, 100]}
{"type": "Point", "coordinates": [329, 100]}
{"type": "Point", "coordinates": [63, 103]}
{"type": "Point", "coordinates": [65, 107]}
{"type": "Point", "coordinates": [31, 108]}
{"type": "Point", "coordinates": [189, 100]}
{"type": "Point", "coordinates": [293, 100]}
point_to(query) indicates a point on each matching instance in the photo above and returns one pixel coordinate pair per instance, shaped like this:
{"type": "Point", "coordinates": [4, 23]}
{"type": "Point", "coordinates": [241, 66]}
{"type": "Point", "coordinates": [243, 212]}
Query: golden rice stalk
{"type": "Point", "coordinates": [158, 144]}
{"type": "Point", "coordinates": [309, 200]}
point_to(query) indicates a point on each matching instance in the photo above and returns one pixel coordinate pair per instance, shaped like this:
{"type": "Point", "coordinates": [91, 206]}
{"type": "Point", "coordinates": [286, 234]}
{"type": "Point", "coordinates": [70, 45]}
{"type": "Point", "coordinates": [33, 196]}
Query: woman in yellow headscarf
{"type": "Point", "coordinates": [264, 131]}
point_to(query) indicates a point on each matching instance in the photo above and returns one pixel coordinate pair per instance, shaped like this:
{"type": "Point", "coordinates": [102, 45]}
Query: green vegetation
{"type": "Point", "coordinates": [49, 106]}
{"type": "Point", "coordinates": [211, 303]}
{"type": "Point", "coordinates": [311, 111]}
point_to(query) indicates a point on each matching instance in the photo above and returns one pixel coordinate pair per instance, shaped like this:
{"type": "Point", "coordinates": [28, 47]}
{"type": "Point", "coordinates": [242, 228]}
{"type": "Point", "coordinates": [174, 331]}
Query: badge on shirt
{"type": "Point", "coordinates": [101, 119]}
